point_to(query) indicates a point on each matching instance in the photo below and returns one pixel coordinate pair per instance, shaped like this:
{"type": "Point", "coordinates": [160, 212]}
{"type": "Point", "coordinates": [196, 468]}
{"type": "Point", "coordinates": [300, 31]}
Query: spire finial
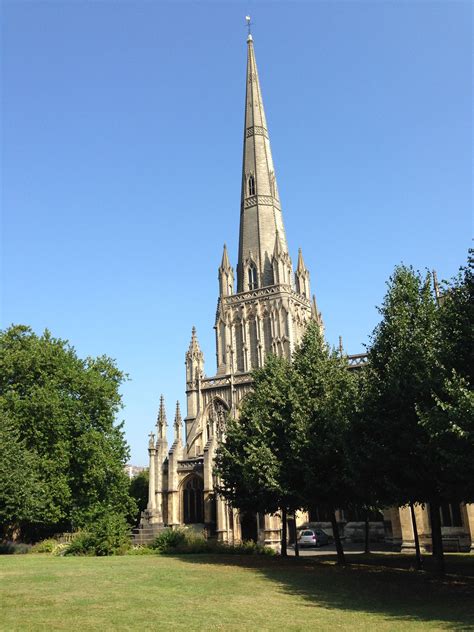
{"type": "Point", "coordinates": [249, 26]}
{"type": "Point", "coordinates": [177, 423]}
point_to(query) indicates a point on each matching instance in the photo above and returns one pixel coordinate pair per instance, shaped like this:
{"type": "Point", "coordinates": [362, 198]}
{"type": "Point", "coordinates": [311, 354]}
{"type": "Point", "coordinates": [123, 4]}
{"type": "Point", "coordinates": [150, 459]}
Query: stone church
{"type": "Point", "coordinates": [264, 309]}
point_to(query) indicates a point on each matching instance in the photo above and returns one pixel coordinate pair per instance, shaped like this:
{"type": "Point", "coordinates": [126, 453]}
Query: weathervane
{"type": "Point", "coordinates": [249, 24]}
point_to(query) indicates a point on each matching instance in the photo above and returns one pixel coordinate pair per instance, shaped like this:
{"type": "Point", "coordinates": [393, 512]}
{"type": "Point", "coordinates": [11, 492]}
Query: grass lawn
{"type": "Point", "coordinates": [197, 592]}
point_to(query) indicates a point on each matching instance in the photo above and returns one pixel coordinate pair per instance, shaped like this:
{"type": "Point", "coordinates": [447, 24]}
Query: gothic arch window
{"type": "Point", "coordinates": [239, 343]}
{"type": "Point", "coordinates": [252, 276]}
{"type": "Point", "coordinates": [218, 411]}
{"type": "Point", "coordinates": [193, 500]}
{"type": "Point", "coordinates": [267, 333]}
{"type": "Point", "coordinates": [253, 343]}
{"type": "Point", "coordinates": [251, 184]}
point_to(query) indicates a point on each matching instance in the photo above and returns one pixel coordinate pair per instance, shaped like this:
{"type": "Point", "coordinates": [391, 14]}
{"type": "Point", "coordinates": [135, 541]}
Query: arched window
{"type": "Point", "coordinates": [253, 343]}
{"type": "Point", "coordinates": [251, 184]}
{"type": "Point", "coordinates": [252, 274]}
{"type": "Point", "coordinates": [239, 343]}
{"type": "Point", "coordinates": [193, 500]}
{"type": "Point", "coordinates": [267, 333]}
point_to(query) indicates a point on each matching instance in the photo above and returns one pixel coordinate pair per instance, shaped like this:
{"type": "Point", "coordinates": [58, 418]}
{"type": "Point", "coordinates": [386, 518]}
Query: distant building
{"type": "Point", "coordinates": [133, 470]}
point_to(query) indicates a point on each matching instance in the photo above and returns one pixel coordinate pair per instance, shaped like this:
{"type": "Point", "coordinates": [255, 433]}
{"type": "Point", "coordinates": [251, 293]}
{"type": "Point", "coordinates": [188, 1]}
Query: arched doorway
{"type": "Point", "coordinates": [193, 500]}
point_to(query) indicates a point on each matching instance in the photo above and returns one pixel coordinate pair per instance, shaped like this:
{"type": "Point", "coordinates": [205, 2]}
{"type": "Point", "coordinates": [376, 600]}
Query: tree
{"type": "Point", "coordinates": [256, 464]}
{"type": "Point", "coordinates": [418, 418]}
{"type": "Point", "coordinates": [20, 490]}
{"type": "Point", "coordinates": [62, 410]}
{"type": "Point", "coordinates": [139, 492]}
{"type": "Point", "coordinates": [456, 317]}
{"type": "Point", "coordinates": [326, 403]}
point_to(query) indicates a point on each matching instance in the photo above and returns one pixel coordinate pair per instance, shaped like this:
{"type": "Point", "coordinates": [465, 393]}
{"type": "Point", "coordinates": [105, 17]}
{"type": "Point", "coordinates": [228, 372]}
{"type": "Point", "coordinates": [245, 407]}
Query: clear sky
{"type": "Point", "coordinates": [122, 129]}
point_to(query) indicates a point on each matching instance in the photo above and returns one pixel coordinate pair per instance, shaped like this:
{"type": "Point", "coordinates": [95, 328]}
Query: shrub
{"type": "Point", "coordinates": [169, 539]}
{"type": "Point", "coordinates": [141, 550]}
{"type": "Point", "coordinates": [45, 546]}
{"type": "Point", "coordinates": [247, 547]}
{"type": "Point", "coordinates": [186, 541]}
{"type": "Point", "coordinates": [14, 548]}
{"type": "Point", "coordinates": [107, 535]}
{"type": "Point", "coordinates": [83, 544]}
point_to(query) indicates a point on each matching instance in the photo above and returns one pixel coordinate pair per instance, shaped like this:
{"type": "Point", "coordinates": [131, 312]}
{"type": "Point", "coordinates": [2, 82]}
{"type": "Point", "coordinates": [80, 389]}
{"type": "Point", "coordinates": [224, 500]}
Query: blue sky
{"type": "Point", "coordinates": [122, 138]}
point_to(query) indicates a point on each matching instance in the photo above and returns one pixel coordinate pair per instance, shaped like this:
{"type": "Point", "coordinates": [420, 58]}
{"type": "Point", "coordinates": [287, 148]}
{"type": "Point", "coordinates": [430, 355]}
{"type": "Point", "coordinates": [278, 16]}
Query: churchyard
{"type": "Point", "coordinates": [206, 592]}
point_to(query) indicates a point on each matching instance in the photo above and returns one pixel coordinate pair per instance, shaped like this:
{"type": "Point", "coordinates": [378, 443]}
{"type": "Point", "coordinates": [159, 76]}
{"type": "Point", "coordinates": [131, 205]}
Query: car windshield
{"type": "Point", "coordinates": [308, 533]}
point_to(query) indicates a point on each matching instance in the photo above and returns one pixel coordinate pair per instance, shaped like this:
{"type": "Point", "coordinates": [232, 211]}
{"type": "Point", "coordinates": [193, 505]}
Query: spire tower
{"type": "Point", "coordinates": [260, 209]}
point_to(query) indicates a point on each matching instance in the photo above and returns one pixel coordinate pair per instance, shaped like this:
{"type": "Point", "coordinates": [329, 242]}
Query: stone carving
{"type": "Point", "coordinates": [256, 130]}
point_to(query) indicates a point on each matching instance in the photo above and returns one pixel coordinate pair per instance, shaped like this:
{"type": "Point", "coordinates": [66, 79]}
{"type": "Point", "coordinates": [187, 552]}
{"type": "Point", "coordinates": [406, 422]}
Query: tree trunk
{"type": "Point", "coordinates": [284, 552]}
{"type": "Point", "coordinates": [436, 538]}
{"type": "Point", "coordinates": [297, 546]}
{"type": "Point", "coordinates": [419, 562]}
{"type": "Point", "coordinates": [337, 540]}
{"type": "Point", "coordinates": [367, 533]}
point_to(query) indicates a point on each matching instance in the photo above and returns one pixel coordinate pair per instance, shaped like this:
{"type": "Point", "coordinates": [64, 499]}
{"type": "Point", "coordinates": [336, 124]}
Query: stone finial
{"type": "Point", "coordinates": [277, 249]}
{"type": "Point", "coordinates": [301, 267]}
{"type": "Point", "coordinates": [151, 441]}
{"type": "Point", "coordinates": [194, 347]}
{"type": "Point", "coordinates": [225, 263]}
{"type": "Point", "coordinates": [177, 423]}
{"type": "Point", "coordinates": [315, 313]}
{"type": "Point", "coordinates": [161, 422]}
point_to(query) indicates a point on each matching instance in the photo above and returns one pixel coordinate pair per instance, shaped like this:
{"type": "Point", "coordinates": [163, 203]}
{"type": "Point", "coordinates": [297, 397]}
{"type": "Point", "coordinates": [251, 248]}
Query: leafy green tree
{"type": "Point", "coordinates": [63, 411]}
{"type": "Point", "coordinates": [456, 317]}
{"type": "Point", "coordinates": [139, 492]}
{"type": "Point", "coordinates": [327, 401]}
{"type": "Point", "coordinates": [418, 420]}
{"type": "Point", "coordinates": [256, 464]}
{"type": "Point", "coordinates": [20, 491]}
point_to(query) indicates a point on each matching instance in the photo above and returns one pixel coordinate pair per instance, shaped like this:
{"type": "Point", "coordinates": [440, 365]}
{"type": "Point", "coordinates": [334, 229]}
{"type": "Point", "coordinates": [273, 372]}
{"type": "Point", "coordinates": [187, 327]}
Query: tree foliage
{"type": "Point", "coordinates": [139, 492]}
{"type": "Point", "coordinates": [61, 410]}
{"type": "Point", "coordinates": [418, 425]}
{"type": "Point", "coordinates": [256, 464]}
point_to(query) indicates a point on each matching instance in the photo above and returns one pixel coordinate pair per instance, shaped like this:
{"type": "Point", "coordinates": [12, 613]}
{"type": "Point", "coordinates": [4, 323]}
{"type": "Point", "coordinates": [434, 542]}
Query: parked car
{"type": "Point", "coordinates": [313, 537]}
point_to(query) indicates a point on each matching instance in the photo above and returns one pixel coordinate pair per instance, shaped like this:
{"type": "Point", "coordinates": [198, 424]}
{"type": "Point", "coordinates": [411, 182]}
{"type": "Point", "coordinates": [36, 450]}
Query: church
{"type": "Point", "coordinates": [262, 309]}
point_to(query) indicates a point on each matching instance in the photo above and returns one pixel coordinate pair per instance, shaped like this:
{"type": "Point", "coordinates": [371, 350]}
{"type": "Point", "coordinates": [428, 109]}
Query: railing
{"type": "Point", "coordinates": [357, 361]}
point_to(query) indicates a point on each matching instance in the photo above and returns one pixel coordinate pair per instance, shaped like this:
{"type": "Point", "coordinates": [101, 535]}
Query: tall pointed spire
{"type": "Point", "coordinates": [226, 275]}
{"type": "Point", "coordinates": [260, 211]}
{"type": "Point", "coordinates": [178, 422]}
{"type": "Point", "coordinates": [161, 421]}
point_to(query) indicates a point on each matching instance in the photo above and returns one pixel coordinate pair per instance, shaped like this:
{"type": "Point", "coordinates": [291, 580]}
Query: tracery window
{"type": "Point", "coordinates": [251, 184]}
{"type": "Point", "coordinates": [252, 276]}
{"type": "Point", "coordinates": [253, 343]}
{"type": "Point", "coordinates": [193, 500]}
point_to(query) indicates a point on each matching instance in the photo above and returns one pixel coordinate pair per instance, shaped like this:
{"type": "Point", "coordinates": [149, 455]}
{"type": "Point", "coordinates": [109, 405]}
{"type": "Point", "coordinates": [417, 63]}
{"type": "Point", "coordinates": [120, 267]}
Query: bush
{"type": "Point", "coordinates": [45, 546]}
{"type": "Point", "coordinates": [141, 550]}
{"type": "Point", "coordinates": [186, 541]}
{"type": "Point", "coordinates": [169, 539]}
{"type": "Point", "coordinates": [107, 535]}
{"type": "Point", "coordinates": [247, 547]}
{"type": "Point", "coordinates": [13, 548]}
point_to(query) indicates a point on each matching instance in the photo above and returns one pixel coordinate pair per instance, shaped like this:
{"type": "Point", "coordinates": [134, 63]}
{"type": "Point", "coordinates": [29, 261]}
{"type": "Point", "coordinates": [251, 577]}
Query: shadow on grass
{"type": "Point", "coordinates": [373, 584]}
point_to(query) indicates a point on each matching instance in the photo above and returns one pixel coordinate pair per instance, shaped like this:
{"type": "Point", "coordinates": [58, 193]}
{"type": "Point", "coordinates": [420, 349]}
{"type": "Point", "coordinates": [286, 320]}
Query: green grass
{"type": "Point", "coordinates": [204, 592]}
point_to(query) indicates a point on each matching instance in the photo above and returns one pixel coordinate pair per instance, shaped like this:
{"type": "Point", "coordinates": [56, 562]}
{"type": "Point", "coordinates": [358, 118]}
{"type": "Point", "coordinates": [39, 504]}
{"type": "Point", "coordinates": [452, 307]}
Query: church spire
{"type": "Point", "coordinates": [226, 275]}
{"type": "Point", "coordinates": [178, 422]}
{"type": "Point", "coordinates": [161, 421]}
{"type": "Point", "coordinates": [260, 211]}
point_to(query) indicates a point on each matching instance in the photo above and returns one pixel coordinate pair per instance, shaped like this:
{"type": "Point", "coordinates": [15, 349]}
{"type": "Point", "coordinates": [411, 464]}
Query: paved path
{"type": "Point", "coordinates": [330, 549]}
